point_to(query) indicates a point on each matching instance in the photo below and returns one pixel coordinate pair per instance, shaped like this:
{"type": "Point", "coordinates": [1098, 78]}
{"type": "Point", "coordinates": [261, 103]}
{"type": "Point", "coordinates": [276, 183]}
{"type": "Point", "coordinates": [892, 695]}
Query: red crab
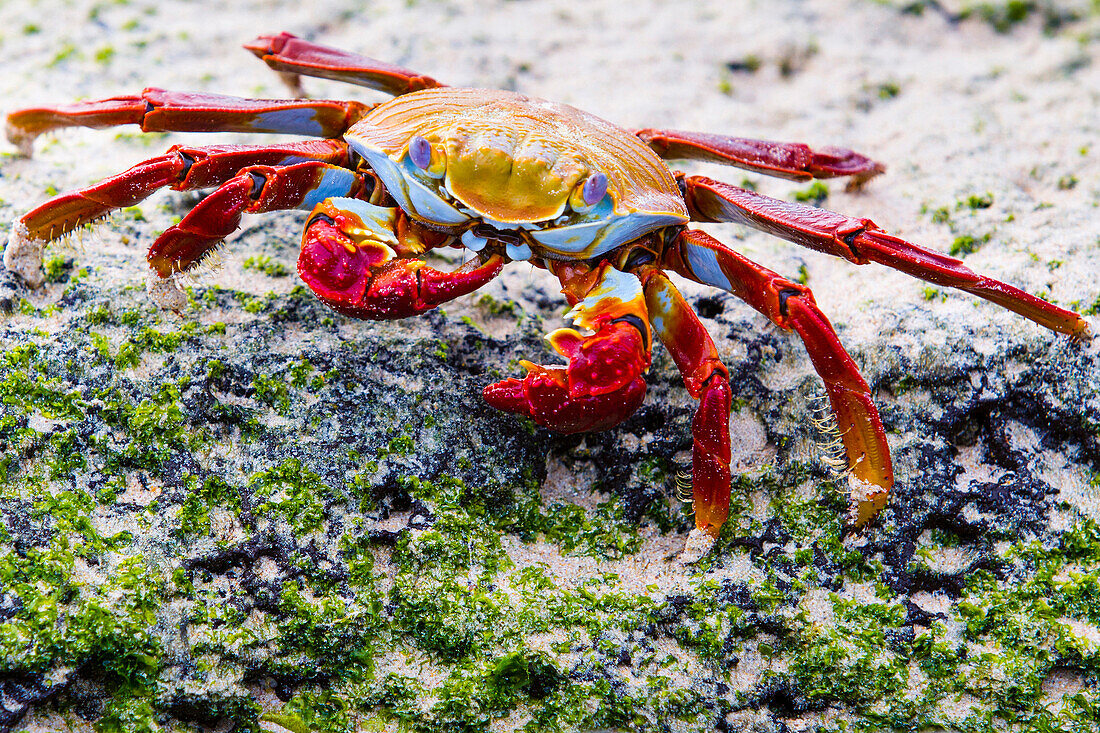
{"type": "Point", "coordinates": [510, 177]}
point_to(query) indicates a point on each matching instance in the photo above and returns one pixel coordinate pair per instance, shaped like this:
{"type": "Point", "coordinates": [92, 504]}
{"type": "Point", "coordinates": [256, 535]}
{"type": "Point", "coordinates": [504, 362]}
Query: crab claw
{"type": "Point", "coordinates": [355, 260]}
{"type": "Point", "coordinates": [601, 386]}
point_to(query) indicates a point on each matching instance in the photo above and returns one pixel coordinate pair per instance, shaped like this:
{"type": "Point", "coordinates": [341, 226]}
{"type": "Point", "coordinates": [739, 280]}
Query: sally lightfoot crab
{"type": "Point", "coordinates": [509, 177]}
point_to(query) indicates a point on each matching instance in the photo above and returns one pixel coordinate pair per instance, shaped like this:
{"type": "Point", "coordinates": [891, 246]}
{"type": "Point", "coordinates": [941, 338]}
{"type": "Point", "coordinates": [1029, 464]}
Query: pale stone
{"type": "Point", "coordinates": [23, 255]}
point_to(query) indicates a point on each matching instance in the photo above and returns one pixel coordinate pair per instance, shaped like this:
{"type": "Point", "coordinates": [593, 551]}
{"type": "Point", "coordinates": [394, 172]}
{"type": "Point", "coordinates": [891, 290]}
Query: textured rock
{"type": "Point", "coordinates": [259, 513]}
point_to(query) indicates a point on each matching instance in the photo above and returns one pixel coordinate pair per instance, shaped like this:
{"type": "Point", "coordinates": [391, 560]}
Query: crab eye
{"type": "Point", "coordinates": [594, 189]}
{"type": "Point", "coordinates": [589, 193]}
{"type": "Point", "coordinates": [420, 152]}
{"type": "Point", "coordinates": [426, 157]}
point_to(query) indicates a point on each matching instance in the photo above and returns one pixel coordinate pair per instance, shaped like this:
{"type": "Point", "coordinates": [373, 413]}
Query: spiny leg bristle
{"type": "Point", "coordinates": [74, 240]}
{"type": "Point", "coordinates": [211, 262]}
{"type": "Point", "coordinates": [829, 440]}
{"type": "Point", "coordinates": [682, 483]}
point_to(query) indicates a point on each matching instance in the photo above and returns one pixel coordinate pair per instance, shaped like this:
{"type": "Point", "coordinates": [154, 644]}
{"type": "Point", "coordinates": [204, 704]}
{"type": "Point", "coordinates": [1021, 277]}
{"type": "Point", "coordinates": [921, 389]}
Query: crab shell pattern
{"type": "Point", "coordinates": [517, 163]}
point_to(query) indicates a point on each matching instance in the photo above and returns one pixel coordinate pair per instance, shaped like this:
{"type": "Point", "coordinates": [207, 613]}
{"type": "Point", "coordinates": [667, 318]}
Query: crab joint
{"type": "Point", "coordinates": [615, 296]}
{"type": "Point", "coordinates": [362, 223]}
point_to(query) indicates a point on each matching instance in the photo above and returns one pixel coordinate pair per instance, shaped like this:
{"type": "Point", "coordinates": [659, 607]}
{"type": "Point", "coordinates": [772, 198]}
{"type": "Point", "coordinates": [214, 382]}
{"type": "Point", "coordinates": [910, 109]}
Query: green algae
{"type": "Point", "coordinates": [967, 244]}
{"type": "Point", "coordinates": [816, 193]}
{"type": "Point", "coordinates": [325, 626]}
{"type": "Point", "coordinates": [273, 391]}
{"type": "Point", "coordinates": [289, 493]}
{"type": "Point", "coordinates": [341, 612]}
{"type": "Point", "coordinates": [194, 514]}
{"type": "Point", "coordinates": [266, 265]}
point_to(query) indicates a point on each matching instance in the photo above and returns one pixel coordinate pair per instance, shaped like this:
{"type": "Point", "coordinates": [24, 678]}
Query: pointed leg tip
{"type": "Point", "coordinates": [1083, 333]}
{"type": "Point", "coordinates": [23, 255]}
{"type": "Point", "coordinates": [166, 293]}
{"type": "Point", "coordinates": [855, 184]}
{"type": "Point", "coordinates": [22, 139]}
{"type": "Point", "coordinates": [267, 44]}
{"type": "Point", "coordinates": [699, 543]}
{"type": "Point", "coordinates": [258, 47]}
{"type": "Point", "coordinates": [866, 500]}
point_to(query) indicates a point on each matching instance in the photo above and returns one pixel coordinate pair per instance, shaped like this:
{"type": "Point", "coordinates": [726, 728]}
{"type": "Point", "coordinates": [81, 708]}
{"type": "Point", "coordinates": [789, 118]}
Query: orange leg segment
{"type": "Point", "coordinates": [707, 380]}
{"type": "Point", "coordinates": [789, 305]}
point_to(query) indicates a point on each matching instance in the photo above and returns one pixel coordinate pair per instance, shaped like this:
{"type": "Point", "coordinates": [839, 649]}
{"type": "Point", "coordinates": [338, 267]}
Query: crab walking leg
{"type": "Point", "coordinates": [291, 55]}
{"type": "Point", "coordinates": [181, 168]}
{"type": "Point", "coordinates": [602, 384]}
{"type": "Point", "coordinates": [861, 241]}
{"type": "Point", "coordinates": [157, 110]}
{"type": "Point", "coordinates": [707, 380]}
{"type": "Point", "coordinates": [360, 261]}
{"type": "Point", "coordinates": [254, 190]}
{"type": "Point", "coordinates": [794, 161]}
{"type": "Point", "coordinates": [698, 256]}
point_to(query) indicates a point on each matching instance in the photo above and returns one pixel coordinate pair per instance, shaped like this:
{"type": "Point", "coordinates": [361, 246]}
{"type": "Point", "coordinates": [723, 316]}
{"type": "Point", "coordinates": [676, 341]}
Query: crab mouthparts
{"type": "Point", "coordinates": [516, 245]}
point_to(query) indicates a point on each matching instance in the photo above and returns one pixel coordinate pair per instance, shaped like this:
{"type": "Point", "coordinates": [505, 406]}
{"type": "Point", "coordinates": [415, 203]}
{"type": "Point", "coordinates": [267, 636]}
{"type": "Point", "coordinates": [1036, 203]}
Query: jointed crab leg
{"type": "Point", "coordinates": [602, 384]}
{"type": "Point", "coordinates": [181, 168]}
{"type": "Point", "coordinates": [254, 190]}
{"type": "Point", "coordinates": [291, 55]}
{"type": "Point", "coordinates": [784, 160]}
{"type": "Point", "coordinates": [698, 256]}
{"type": "Point", "coordinates": [157, 110]}
{"type": "Point", "coordinates": [861, 241]}
{"type": "Point", "coordinates": [707, 380]}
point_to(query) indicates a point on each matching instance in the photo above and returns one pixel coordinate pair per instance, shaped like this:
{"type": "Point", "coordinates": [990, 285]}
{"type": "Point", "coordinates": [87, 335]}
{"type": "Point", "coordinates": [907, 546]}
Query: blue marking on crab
{"type": "Point", "coordinates": [411, 195]}
{"type": "Point", "coordinates": [600, 229]}
{"type": "Point", "coordinates": [704, 263]}
{"type": "Point", "coordinates": [301, 121]}
{"type": "Point", "coordinates": [603, 234]}
{"type": "Point", "coordinates": [336, 182]}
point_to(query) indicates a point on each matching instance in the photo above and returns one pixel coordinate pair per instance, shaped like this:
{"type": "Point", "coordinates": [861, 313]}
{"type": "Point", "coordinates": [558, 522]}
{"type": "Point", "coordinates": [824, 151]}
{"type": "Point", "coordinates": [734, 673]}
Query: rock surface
{"type": "Point", "coordinates": [259, 514]}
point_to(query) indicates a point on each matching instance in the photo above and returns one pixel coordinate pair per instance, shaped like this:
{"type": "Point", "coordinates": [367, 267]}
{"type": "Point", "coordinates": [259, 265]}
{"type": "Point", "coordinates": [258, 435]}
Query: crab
{"type": "Point", "coordinates": [507, 178]}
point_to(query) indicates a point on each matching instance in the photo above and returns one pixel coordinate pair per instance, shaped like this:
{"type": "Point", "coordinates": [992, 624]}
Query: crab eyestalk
{"type": "Point", "coordinates": [591, 192]}
{"type": "Point", "coordinates": [427, 157]}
